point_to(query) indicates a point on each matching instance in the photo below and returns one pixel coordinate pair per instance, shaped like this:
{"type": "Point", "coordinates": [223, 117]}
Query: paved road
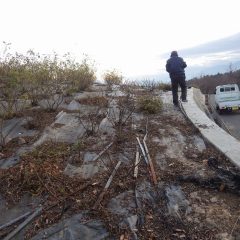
{"type": "Point", "coordinates": [231, 119]}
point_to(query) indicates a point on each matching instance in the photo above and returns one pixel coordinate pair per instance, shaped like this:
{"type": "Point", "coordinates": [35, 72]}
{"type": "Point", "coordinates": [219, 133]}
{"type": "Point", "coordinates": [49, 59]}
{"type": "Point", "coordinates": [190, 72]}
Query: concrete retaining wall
{"type": "Point", "coordinates": [218, 137]}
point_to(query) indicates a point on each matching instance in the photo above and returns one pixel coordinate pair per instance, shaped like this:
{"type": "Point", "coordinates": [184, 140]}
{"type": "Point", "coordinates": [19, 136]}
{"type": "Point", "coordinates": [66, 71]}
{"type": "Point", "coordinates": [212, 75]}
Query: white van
{"type": "Point", "coordinates": [227, 97]}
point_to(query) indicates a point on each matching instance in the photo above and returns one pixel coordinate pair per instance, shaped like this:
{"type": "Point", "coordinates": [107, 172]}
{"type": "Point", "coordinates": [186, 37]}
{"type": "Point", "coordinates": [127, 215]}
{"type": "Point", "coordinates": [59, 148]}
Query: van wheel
{"type": "Point", "coordinates": [217, 108]}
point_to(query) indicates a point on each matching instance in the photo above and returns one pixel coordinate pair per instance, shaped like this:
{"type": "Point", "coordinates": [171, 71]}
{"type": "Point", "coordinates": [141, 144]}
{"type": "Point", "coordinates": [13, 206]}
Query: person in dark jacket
{"type": "Point", "coordinates": [175, 67]}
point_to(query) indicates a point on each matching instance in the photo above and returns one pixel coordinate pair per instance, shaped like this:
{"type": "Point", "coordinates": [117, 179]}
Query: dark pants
{"type": "Point", "coordinates": [178, 80]}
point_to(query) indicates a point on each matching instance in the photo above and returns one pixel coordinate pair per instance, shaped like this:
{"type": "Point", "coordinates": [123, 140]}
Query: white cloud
{"type": "Point", "coordinates": [124, 34]}
{"type": "Point", "coordinates": [212, 58]}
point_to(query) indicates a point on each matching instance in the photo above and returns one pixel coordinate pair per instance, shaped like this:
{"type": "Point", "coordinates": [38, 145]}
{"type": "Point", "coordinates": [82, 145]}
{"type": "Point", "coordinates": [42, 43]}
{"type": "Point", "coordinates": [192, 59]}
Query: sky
{"type": "Point", "coordinates": [127, 35]}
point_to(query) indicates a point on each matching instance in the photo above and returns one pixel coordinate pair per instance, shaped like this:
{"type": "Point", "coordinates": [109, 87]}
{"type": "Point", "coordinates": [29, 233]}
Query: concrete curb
{"type": "Point", "coordinates": [223, 141]}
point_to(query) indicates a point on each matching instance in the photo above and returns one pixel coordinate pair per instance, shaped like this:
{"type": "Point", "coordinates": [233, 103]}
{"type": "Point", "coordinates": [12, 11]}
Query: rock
{"type": "Point", "coordinates": [74, 105]}
{"type": "Point", "coordinates": [75, 227]}
{"type": "Point", "coordinates": [85, 171]}
{"type": "Point", "coordinates": [177, 202]}
{"type": "Point", "coordinates": [106, 127]}
{"type": "Point", "coordinates": [123, 204]}
{"type": "Point", "coordinates": [9, 162]}
{"type": "Point", "coordinates": [89, 156]}
{"type": "Point", "coordinates": [199, 142]}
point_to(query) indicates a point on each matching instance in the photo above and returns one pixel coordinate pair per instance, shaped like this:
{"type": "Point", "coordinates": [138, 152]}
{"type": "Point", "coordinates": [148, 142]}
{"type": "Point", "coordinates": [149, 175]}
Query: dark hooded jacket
{"type": "Point", "coordinates": [175, 65]}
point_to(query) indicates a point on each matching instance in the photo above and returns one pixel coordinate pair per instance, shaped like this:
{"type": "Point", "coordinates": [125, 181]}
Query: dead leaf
{"type": "Point", "coordinates": [149, 217]}
{"type": "Point", "coordinates": [222, 187]}
{"type": "Point", "coordinates": [182, 236]}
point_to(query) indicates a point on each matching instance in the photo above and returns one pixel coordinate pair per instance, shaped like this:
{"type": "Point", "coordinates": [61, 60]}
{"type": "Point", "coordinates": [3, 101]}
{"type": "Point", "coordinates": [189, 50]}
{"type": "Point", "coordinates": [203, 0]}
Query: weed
{"type": "Point", "coordinates": [150, 104]}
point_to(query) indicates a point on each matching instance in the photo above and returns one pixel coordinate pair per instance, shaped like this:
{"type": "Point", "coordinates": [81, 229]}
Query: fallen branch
{"type": "Point", "coordinates": [64, 199]}
{"type": "Point", "coordinates": [234, 226]}
{"type": "Point", "coordinates": [137, 160]}
{"type": "Point", "coordinates": [150, 163]}
{"type": "Point", "coordinates": [104, 150]}
{"type": "Point", "coordinates": [107, 185]}
{"type": "Point", "coordinates": [14, 220]}
{"type": "Point", "coordinates": [24, 224]}
{"type": "Point", "coordinates": [3, 136]}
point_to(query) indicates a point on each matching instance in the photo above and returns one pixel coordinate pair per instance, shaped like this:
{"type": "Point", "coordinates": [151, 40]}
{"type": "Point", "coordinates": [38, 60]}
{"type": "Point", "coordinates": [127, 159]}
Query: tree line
{"type": "Point", "coordinates": [207, 84]}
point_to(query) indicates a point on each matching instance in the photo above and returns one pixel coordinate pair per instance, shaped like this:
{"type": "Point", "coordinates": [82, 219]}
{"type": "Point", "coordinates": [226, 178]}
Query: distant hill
{"type": "Point", "coordinates": [208, 83]}
{"type": "Point", "coordinates": [212, 69]}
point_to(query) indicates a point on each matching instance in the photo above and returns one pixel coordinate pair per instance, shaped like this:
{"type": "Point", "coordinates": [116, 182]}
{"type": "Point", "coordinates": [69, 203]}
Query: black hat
{"type": "Point", "coordinates": [174, 53]}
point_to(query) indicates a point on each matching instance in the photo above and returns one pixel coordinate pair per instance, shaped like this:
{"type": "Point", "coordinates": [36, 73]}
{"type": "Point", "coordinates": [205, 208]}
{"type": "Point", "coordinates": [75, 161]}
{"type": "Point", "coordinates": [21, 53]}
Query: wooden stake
{"type": "Point", "coordinates": [137, 160]}
{"type": "Point", "coordinates": [142, 150]}
{"type": "Point", "coordinates": [150, 163]}
{"type": "Point", "coordinates": [107, 185]}
{"type": "Point", "coordinates": [104, 150]}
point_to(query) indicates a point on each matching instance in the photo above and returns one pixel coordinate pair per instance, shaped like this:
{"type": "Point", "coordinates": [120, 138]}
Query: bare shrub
{"type": "Point", "coordinates": [3, 135]}
{"type": "Point", "coordinates": [112, 77]}
{"type": "Point", "coordinates": [12, 75]}
{"type": "Point", "coordinates": [9, 102]}
{"type": "Point", "coordinates": [164, 86]}
{"type": "Point", "coordinates": [80, 75]}
{"type": "Point", "coordinates": [94, 101]}
{"type": "Point", "coordinates": [149, 84]}
{"type": "Point", "coordinates": [121, 111]}
{"type": "Point", "coordinates": [130, 88]}
{"type": "Point", "coordinates": [38, 77]}
{"type": "Point", "coordinates": [93, 116]}
{"type": "Point", "coordinates": [91, 121]}
{"type": "Point", "coordinates": [12, 99]}
{"type": "Point", "coordinates": [77, 149]}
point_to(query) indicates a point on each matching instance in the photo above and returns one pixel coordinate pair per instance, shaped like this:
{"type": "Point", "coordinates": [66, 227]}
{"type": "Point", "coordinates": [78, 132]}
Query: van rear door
{"type": "Point", "coordinates": [228, 93]}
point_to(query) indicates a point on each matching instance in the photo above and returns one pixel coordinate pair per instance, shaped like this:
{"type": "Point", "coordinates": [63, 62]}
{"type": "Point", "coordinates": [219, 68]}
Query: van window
{"type": "Point", "coordinates": [227, 89]}
{"type": "Point", "coordinates": [232, 88]}
{"type": "Point", "coordinates": [221, 89]}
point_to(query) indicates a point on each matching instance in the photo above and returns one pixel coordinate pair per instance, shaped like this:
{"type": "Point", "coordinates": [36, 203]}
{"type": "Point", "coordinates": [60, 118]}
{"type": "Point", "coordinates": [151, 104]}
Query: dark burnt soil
{"type": "Point", "coordinates": [40, 118]}
{"type": "Point", "coordinates": [177, 161]}
{"type": "Point", "coordinates": [94, 101]}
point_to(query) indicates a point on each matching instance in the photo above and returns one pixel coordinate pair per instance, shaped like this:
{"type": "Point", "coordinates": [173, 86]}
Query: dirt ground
{"type": "Point", "coordinates": [196, 195]}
